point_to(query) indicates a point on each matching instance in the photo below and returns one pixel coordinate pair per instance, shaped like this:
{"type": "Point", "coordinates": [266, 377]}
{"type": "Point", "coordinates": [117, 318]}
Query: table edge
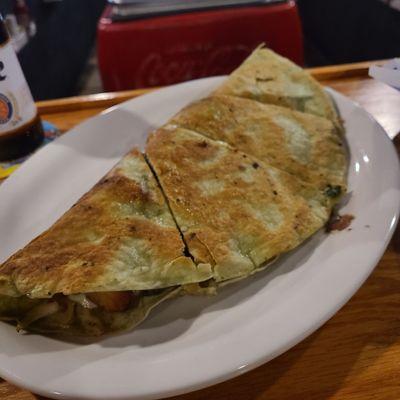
{"type": "Point", "coordinates": [104, 100]}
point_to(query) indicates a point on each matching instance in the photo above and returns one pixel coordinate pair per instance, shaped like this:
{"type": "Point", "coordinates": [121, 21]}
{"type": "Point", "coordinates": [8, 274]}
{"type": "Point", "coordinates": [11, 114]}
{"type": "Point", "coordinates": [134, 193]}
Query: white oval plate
{"type": "Point", "coordinates": [190, 343]}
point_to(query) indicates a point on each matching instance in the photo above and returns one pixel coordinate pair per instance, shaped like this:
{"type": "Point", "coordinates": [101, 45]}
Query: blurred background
{"type": "Point", "coordinates": [71, 47]}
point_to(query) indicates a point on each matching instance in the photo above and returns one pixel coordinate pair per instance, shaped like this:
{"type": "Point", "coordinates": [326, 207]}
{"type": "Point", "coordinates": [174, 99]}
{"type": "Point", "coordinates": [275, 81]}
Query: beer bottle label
{"type": "Point", "coordinates": [17, 107]}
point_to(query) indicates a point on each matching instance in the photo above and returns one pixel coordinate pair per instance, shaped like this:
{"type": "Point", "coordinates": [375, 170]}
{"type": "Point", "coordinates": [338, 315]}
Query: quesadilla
{"type": "Point", "coordinates": [104, 264]}
{"type": "Point", "coordinates": [301, 144]}
{"type": "Point", "coordinates": [270, 78]}
{"type": "Point", "coordinates": [225, 187]}
{"type": "Point", "coordinates": [235, 212]}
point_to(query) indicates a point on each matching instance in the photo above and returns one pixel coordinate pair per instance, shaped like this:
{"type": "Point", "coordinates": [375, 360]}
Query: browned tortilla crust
{"type": "Point", "coordinates": [301, 144]}
{"type": "Point", "coordinates": [118, 236]}
{"type": "Point", "coordinates": [231, 208]}
{"type": "Point", "coordinates": [270, 78]}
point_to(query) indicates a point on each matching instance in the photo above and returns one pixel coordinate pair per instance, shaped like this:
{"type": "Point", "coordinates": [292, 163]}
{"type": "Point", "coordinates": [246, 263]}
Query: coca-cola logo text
{"type": "Point", "coordinates": [171, 66]}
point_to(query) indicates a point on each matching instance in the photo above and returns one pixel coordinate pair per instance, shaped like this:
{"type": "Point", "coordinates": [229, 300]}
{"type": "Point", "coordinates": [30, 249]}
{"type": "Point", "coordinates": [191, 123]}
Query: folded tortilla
{"type": "Point", "coordinates": [226, 186]}
{"type": "Point", "coordinates": [270, 78]}
{"type": "Point", "coordinates": [303, 145]}
{"type": "Point", "coordinates": [235, 212]}
{"type": "Point", "coordinates": [111, 258]}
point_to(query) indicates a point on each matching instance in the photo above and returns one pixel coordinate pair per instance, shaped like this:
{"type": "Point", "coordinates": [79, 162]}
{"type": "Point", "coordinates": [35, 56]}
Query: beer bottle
{"type": "Point", "coordinates": [21, 130]}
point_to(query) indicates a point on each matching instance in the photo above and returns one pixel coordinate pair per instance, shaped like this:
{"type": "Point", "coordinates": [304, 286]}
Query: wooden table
{"type": "Point", "coordinates": [355, 355]}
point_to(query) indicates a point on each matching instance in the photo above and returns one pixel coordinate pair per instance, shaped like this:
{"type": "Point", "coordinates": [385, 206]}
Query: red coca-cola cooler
{"type": "Point", "coordinates": [161, 42]}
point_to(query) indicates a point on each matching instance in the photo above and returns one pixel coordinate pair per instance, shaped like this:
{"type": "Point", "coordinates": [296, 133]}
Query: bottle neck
{"type": "Point", "coordinates": [4, 36]}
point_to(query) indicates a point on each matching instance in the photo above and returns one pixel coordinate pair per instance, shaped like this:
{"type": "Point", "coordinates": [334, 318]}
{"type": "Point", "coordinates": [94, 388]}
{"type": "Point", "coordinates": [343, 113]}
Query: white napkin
{"type": "Point", "coordinates": [388, 73]}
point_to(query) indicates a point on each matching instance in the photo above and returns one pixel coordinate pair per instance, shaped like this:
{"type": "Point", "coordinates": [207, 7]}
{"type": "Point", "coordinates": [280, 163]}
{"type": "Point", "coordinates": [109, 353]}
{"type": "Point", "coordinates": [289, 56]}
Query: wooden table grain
{"type": "Point", "coordinates": [356, 354]}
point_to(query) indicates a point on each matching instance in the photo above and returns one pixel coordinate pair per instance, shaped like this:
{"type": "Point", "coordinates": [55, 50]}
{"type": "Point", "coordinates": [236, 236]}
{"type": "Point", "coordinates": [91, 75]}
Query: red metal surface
{"type": "Point", "coordinates": [169, 49]}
